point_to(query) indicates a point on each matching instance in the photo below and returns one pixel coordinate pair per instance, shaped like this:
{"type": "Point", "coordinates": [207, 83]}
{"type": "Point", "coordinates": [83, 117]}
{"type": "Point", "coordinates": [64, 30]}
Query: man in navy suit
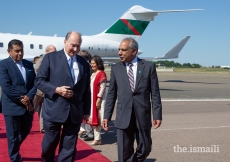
{"type": "Point", "coordinates": [17, 82]}
{"type": "Point", "coordinates": [64, 77]}
{"type": "Point", "coordinates": [133, 83]}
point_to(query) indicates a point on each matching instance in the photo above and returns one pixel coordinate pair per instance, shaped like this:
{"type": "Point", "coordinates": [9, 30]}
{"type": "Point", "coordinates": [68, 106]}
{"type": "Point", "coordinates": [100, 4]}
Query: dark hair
{"type": "Point", "coordinates": [14, 42]}
{"type": "Point", "coordinates": [86, 55]}
{"type": "Point", "coordinates": [97, 59]}
{"type": "Point", "coordinates": [36, 57]}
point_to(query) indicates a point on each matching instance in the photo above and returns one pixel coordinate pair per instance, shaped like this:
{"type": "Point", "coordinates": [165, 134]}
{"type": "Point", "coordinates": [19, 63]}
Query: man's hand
{"type": "Point", "coordinates": [25, 100]}
{"type": "Point", "coordinates": [64, 91]}
{"type": "Point", "coordinates": [86, 117]}
{"type": "Point", "coordinates": [105, 125]}
{"type": "Point", "coordinates": [156, 123]}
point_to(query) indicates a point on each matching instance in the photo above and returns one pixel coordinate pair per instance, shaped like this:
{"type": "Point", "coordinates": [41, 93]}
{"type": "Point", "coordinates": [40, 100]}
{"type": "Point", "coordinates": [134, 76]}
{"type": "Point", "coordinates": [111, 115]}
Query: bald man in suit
{"type": "Point", "coordinates": [64, 77]}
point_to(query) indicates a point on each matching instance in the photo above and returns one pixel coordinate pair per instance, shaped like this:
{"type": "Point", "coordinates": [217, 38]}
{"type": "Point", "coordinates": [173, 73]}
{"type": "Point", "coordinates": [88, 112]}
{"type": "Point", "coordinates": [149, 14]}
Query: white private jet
{"type": "Point", "coordinates": [131, 24]}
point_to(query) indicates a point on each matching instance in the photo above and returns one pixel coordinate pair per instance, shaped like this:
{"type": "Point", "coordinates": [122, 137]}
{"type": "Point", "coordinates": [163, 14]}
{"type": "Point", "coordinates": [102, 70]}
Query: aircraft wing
{"type": "Point", "coordinates": [173, 53]}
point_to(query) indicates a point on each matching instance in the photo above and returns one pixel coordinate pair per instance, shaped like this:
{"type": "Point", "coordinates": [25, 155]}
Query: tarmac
{"type": "Point", "coordinates": [196, 120]}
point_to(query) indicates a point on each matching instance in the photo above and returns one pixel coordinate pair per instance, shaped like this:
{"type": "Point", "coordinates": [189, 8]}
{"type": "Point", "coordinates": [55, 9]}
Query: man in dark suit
{"type": "Point", "coordinates": [64, 77]}
{"type": "Point", "coordinates": [17, 82]}
{"type": "Point", "coordinates": [133, 81]}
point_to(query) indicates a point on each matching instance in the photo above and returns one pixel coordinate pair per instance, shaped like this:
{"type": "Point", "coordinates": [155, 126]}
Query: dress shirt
{"type": "Point", "coordinates": [75, 66]}
{"type": "Point", "coordinates": [21, 69]}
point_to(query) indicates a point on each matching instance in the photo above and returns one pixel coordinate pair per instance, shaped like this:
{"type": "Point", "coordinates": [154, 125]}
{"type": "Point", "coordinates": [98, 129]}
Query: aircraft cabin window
{"type": "Point", "coordinates": [113, 50]}
{"type": "Point", "coordinates": [1, 44]}
{"type": "Point", "coordinates": [31, 46]}
{"type": "Point", "coordinates": [40, 46]}
{"type": "Point", "coordinates": [98, 49]}
{"type": "Point", "coordinates": [91, 48]}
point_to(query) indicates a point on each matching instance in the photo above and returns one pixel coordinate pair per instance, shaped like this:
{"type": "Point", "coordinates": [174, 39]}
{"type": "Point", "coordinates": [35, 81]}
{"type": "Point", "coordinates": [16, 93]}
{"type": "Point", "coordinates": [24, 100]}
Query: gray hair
{"type": "Point", "coordinates": [133, 43]}
{"type": "Point", "coordinates": [49, 47]}
{"type": "Point", "coordinates": [70, 32]}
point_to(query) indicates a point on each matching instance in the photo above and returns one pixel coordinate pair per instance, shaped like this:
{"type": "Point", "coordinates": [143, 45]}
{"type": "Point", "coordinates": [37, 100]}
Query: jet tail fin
{"type": "Point", "coordinates": [133, 23]}
{"type": "Point", "coordinates": [174, 52]}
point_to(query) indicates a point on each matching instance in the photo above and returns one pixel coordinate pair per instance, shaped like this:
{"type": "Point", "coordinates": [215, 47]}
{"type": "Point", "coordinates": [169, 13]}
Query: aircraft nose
{"type": "Point", "coordinates": [139, 52]}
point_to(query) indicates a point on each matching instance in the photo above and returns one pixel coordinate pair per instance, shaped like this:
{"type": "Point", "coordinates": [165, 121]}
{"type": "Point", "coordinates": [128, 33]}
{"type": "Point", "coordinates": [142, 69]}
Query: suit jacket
{"type": "Point", "coordinates": [36, 68]}
{"type": "Point", "coordinates": [54, 72]}
{"type": "Point", "coordinates": [13, 86]}
{"type": "Point", "coordinates": [146, 88]}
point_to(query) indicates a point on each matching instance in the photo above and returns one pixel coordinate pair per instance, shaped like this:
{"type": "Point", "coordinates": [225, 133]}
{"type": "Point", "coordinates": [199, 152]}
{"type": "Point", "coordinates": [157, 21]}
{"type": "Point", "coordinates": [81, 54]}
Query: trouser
{"type": "Point", "coordinates": [38, 102]}
{"type": "Point", "coordinates": [86, 127]}
{"type": "Point", "coordinates": [40, 118]}
{"type": "Point", "coordinates": [125, 141]}
{"type": "Point", "coordinates": [17, 129]}
{"type": "Point", "coordinates": [68, 140]}
{"type": "Point", "coordinates": [97, 132]}
{"type": "Point", "coordinates": [97, 129]}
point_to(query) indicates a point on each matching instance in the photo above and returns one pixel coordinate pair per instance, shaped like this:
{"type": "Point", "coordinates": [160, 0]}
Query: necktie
{"type": "Point", "coordinates": [131, 77]}
{"type": "Point", "coordinates": [22, 70]}
{"type": "Point", "coordinates": [71, 69]}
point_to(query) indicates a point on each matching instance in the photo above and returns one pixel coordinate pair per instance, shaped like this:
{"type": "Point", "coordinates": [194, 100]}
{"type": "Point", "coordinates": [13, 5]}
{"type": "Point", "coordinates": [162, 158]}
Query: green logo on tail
{"type": "Point", "coordinates": [128, 27]}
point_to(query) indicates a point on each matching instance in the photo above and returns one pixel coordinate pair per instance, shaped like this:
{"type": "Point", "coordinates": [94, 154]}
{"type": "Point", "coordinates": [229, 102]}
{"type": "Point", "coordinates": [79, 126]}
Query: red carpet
{"type": "Point", "coordinates": [31, 147]}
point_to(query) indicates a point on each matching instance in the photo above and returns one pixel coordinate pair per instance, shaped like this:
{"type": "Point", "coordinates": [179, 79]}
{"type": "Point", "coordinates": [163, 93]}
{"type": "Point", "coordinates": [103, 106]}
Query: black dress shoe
{"type": "Point", "coordinates": [88, 139]}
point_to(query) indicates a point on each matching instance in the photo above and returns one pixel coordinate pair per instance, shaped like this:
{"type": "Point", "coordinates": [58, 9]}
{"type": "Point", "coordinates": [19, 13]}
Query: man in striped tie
{"type": "Point", "coordinates": [133, 81]}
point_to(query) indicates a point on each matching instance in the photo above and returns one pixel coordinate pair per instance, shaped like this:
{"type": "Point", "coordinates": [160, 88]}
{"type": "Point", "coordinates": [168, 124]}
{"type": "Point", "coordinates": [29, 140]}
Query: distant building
{"type": "Point", "coordinates": [224, 66]}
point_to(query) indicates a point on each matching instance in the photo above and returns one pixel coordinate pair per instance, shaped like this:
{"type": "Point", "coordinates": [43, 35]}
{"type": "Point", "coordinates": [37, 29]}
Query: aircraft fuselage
{"type": "Point", "coordinates": [35, 45]}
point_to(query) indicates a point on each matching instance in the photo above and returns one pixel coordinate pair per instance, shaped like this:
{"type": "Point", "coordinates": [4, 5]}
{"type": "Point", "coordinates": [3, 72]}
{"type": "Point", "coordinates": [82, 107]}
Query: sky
{"type": "Point", "coordinates": [209, 29]}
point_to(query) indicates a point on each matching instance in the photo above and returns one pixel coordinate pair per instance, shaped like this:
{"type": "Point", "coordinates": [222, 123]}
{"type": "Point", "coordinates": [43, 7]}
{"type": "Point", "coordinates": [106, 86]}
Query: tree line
{"type": "Point", "coordinates": [167, 63]}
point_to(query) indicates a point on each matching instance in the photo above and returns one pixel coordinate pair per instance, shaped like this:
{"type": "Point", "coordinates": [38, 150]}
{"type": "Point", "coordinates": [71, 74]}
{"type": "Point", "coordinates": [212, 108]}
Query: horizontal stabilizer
{"type": "Point", "coordinates": [188, 10]}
